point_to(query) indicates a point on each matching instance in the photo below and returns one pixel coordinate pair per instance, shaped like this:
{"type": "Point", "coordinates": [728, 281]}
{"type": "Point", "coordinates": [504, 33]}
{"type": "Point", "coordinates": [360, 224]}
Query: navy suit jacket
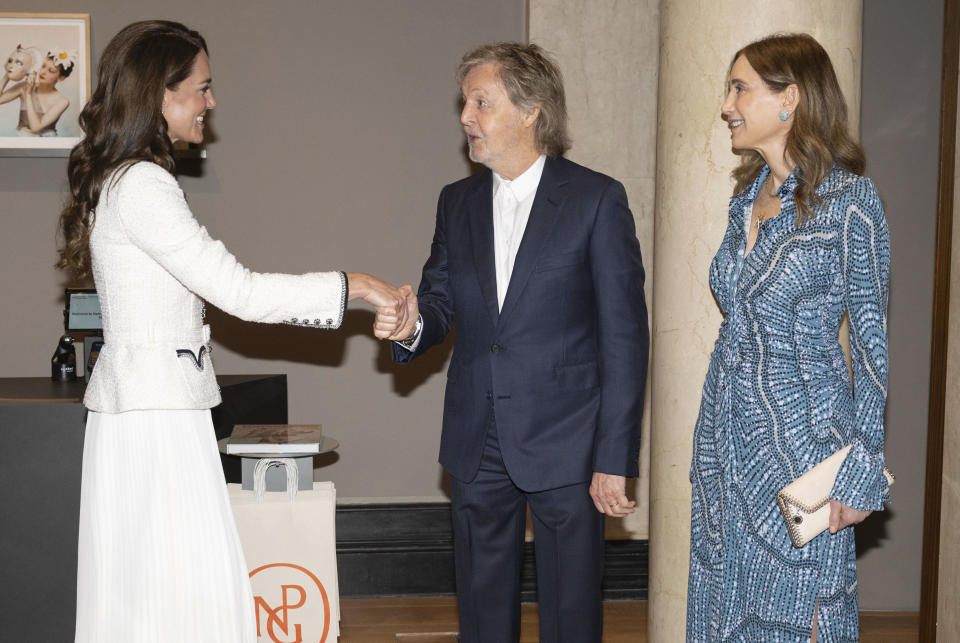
{"type": "Point", "coordinates": [563, 366]}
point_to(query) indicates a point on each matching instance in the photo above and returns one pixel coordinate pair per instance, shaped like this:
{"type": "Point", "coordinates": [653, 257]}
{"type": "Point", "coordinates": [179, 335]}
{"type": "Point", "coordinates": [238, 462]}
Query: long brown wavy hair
{"type": "Point", "coordinates": [122, 123]}
{"type": "Point", "coordinates": [820, 137]}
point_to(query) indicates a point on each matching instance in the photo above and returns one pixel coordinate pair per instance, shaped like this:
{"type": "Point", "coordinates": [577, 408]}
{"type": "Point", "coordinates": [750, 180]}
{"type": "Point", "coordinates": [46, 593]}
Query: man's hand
{"type": "Point", "coordinates": [396, 321]}
{"type": "Point", "coordinates": [842, 516]}
{"type": "Point", "coordinates": [390, 302]}
{"type": "Point", "coordinates": [411, 312]}
{"type": "Point", "coordinates": [609, 494]}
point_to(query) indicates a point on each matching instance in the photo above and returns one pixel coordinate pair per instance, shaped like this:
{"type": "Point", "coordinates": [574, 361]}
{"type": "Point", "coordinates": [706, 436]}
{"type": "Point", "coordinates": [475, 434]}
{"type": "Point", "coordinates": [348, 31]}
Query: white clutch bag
{"type": "Point", "coordinates": [805, 502]}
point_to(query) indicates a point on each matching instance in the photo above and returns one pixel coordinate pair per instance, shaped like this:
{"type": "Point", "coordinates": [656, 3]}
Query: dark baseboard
{"type": "Point", "coordinates": [407, 550]}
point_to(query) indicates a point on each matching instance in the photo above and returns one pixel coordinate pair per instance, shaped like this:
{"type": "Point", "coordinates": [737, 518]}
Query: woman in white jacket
{"type": "Point", "coordinates": [159, 556]}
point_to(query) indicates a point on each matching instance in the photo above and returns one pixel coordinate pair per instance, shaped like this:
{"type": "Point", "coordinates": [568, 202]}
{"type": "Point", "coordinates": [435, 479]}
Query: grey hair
{"type": "Point", "coordinates": [531, 79]}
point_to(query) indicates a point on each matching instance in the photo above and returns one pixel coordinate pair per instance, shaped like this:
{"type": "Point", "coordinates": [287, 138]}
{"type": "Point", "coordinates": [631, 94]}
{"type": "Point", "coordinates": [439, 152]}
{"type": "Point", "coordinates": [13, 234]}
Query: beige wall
{"type": "Point", "coordinates": [335, 130]}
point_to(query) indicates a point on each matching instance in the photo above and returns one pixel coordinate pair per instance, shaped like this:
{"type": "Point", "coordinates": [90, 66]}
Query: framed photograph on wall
{"type": "Point", "coordinates": [44, 81]}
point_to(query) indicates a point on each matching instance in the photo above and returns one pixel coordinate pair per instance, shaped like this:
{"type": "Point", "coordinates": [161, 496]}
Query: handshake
{"type": "Point", "coordinates": [397, 310]}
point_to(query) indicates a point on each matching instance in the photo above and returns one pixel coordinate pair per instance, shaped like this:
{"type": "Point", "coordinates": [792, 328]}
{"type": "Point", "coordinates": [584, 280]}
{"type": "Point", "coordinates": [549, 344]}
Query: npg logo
{"type": "Point", "coordinates": [291, 604]}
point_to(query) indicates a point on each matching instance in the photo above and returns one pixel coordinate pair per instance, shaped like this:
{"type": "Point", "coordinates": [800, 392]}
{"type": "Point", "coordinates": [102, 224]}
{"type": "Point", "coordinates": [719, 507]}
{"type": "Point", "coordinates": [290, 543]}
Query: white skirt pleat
{"type": "Point", "coordinates": [159, 559]}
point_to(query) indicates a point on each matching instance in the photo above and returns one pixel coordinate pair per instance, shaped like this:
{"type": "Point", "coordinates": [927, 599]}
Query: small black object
{"type": "Point", "coordinates": [64, 361]}
{"type": "Point", "coordinates": [92, 359]}
{"type": "Point", "coordinates": [798, 519]}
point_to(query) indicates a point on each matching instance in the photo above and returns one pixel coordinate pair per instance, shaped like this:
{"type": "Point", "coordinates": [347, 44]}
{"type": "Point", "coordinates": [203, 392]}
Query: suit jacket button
{"type": "Point", "coordinates": [489, 395]}
{"type": "Point", "coordinates": [495, 348]}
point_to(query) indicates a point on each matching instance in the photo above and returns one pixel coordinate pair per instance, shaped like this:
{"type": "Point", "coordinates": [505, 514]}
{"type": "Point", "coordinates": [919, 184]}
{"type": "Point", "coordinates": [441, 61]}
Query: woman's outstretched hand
{"type": "Point", "coordinates": [391, 303]}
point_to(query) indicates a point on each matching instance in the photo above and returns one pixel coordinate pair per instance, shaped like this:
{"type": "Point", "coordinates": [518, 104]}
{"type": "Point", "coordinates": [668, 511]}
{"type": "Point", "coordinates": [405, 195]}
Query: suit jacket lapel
{"type": "Point", "coordinates": [543, 215]}
{"type": "Point", "coordinates": [480, 214]}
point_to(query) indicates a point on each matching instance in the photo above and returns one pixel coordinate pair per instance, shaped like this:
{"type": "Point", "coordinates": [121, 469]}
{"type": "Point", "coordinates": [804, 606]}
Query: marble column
{"type": "Point", "coordinates": [607, 51]}
{"type": "Point", "coordinates": [693, 187]}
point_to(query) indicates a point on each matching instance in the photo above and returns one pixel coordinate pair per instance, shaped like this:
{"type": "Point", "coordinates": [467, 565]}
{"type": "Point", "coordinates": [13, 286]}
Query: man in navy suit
{"type": "Point", "coordinates": [536, 259]}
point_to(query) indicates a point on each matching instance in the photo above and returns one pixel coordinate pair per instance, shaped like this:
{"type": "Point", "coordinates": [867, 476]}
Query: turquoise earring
{"type": "Point", "coordinates": [784, 115]}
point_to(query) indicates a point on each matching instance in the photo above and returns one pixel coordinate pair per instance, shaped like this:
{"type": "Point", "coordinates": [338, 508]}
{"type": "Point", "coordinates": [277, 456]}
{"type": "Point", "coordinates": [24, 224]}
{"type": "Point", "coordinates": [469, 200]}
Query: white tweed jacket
{"type": "Point", "coordinates": [153, 266]}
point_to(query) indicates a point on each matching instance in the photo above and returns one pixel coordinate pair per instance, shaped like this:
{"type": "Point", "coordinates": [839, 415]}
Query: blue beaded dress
{"type": "Point", "coordinates": [777, 400]}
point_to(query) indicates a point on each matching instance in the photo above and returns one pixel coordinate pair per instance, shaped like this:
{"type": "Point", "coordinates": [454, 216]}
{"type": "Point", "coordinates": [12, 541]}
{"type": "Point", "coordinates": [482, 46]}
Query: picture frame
{"type": "Point", "coordinates": [34, 47]}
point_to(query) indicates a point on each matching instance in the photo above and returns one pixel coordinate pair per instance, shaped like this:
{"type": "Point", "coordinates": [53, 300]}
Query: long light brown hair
{"type": "Point", "coordinates": [122, 123]}
{"type": "Point", "coordinates": [820, 137]}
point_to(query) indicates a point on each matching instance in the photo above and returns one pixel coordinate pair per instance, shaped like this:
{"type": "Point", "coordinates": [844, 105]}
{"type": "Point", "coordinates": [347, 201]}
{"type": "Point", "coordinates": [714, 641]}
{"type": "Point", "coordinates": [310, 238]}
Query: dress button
{"type": "Point", "coordinates": [495, 348]}
{"type": "Point", "coordinates": [489, 395]}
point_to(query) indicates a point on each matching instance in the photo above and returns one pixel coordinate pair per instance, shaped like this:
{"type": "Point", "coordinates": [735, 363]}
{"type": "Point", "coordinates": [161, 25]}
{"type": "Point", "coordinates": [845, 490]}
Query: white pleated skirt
{"type": "Point", "coordinates": [159, 560]}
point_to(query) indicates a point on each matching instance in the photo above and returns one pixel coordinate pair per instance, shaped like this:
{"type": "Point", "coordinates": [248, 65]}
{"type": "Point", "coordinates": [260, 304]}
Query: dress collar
{"type": "Point", "coordinates": [837, 179]}
{"type": "Point", "coordinates": [785, 191]}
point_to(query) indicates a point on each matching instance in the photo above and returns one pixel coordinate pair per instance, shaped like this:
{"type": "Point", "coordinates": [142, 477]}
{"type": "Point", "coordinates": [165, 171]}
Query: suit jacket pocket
{"type": "Point", "coordinates": [562, 260]}
{"type": "Point", "coordinates": [578, 377]}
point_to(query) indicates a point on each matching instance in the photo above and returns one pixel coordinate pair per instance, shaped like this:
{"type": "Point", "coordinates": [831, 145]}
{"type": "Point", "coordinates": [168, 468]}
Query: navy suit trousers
{"type": "Point", "coordinates": [489, 515]}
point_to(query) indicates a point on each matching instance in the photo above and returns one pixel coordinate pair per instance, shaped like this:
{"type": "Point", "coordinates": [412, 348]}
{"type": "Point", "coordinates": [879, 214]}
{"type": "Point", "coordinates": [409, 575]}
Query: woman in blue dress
{"type": "Point", "coordinates": [806, 242]}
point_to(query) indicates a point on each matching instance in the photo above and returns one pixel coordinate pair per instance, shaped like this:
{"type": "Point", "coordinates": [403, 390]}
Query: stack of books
{"type": "Point", "coordinates": [275, 438]}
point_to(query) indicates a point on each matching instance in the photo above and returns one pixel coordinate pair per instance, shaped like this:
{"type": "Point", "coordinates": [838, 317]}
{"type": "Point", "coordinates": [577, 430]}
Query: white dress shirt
{"type": "Point", "coordinates": [512, 201]}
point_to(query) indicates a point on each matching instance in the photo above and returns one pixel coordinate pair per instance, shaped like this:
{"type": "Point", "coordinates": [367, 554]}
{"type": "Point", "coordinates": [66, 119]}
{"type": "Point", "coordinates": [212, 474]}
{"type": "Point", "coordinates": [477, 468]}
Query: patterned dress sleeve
{"type": "Point", "coordinates": [865, 254]}
{"type": "Point", "coordinates": [157, 220]}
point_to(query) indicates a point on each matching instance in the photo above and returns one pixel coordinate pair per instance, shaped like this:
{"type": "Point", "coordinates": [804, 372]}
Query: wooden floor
{"type": "Point", "coordinates": [434, 620]}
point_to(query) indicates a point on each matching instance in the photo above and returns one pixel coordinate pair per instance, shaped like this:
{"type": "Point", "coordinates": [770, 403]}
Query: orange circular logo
{"type": "Point", "coordinates": [286, 598]}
